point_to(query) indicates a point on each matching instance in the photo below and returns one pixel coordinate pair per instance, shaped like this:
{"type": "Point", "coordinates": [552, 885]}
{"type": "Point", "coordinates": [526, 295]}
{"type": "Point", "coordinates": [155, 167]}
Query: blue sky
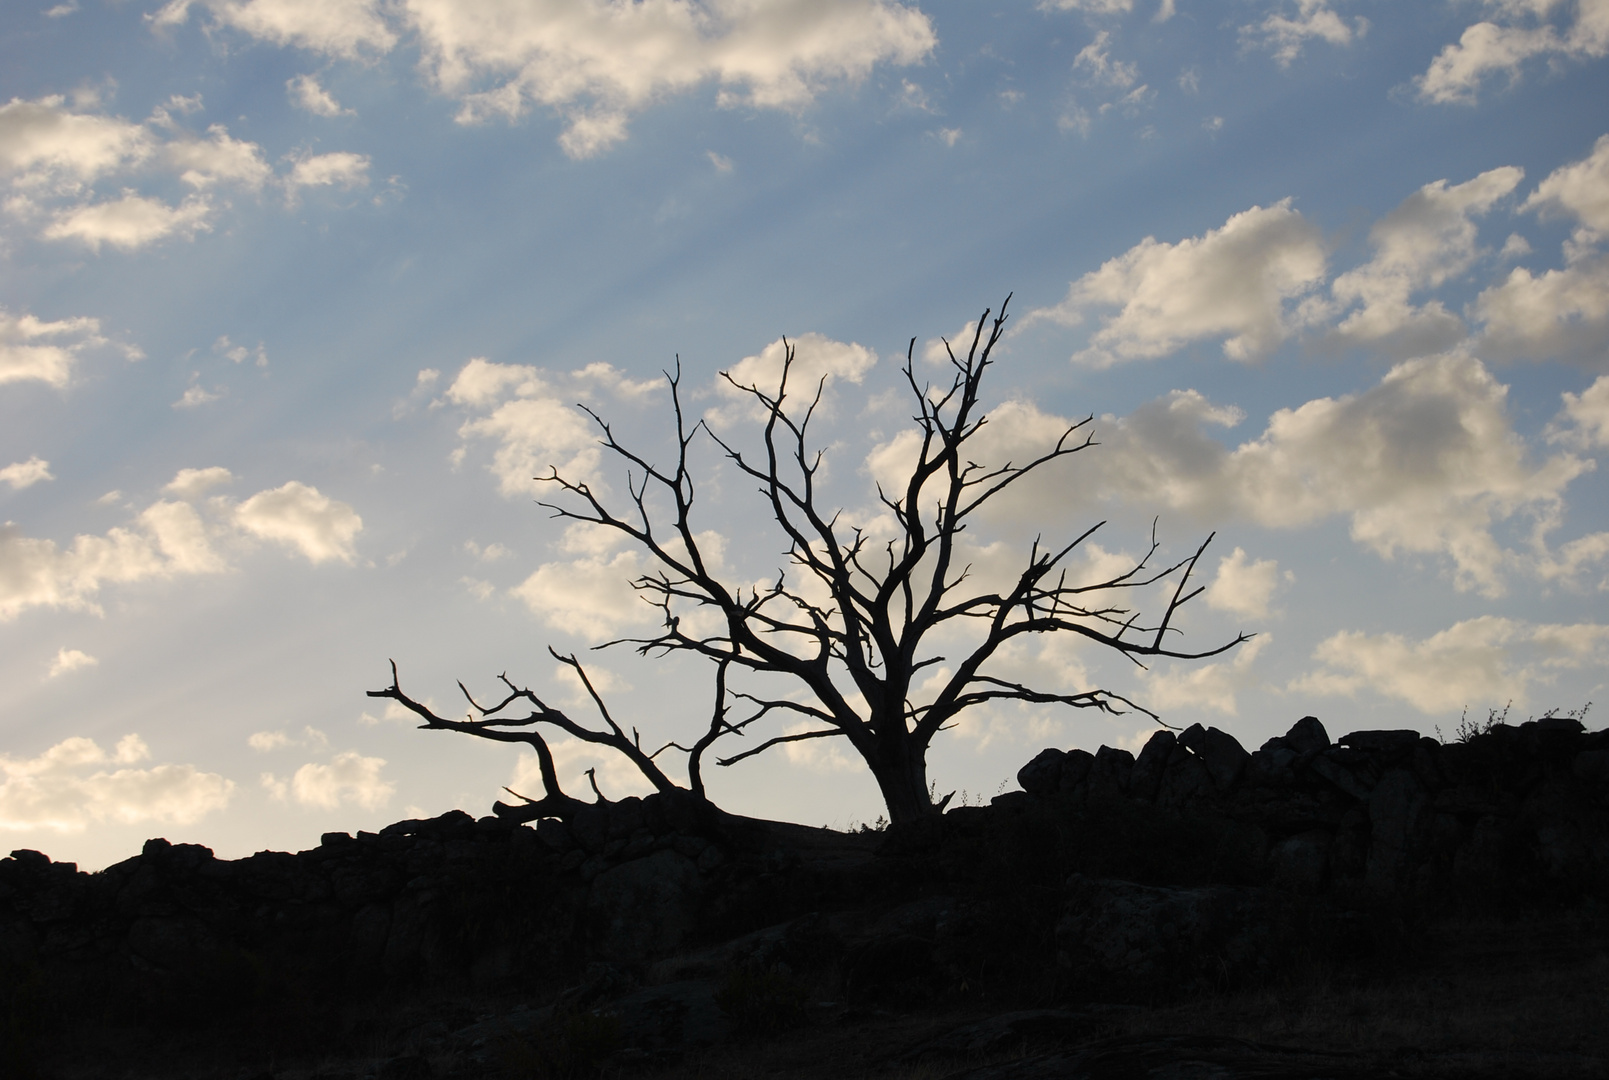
{"type": "Point", "coordinates": [295, 298]}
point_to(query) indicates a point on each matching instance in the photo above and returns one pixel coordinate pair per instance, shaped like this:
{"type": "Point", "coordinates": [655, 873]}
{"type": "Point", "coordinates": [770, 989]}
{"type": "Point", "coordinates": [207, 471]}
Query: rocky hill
{"type": "Point", "coordinates": [661, 936]}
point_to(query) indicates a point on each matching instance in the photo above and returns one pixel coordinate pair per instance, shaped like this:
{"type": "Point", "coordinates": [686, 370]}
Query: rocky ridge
{"type": "Point", "coordinates": [1110, 877]}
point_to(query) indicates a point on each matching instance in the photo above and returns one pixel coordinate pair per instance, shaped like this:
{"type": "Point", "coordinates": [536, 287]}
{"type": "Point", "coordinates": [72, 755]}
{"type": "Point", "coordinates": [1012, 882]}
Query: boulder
{"type": "Point", "coordinates": [645, 908]}
{"type": "Point", "coordinates": [1146, 775]}
{"type": "Point", "coordinates": [1042, 775]}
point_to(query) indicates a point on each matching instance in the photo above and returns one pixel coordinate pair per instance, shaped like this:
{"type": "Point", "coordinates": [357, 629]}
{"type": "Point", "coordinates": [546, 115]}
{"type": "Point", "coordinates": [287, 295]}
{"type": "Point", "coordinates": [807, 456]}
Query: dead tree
{"type": "Point", "coordinates": [886, 599]}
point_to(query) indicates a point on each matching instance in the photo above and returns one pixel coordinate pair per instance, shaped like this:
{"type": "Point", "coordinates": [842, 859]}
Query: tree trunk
{"type": "Point", "coordinates": [904, 785]}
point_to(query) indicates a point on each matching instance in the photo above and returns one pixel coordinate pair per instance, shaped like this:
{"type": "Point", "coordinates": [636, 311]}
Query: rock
{"type": "Point", "coordinates": [645, 908]}
{"type": "Point", "coordinates": [1300, 862]}
{"type": "Point", "coordinates": [1075, 768]}
{"type": "Point", "coordinates": [1109, 774]}
{"type": "Point", "coordinates": [1185, 780]}
{"type": "Point", "coordinates": [1392, 744]}
{"type": "Point", "coordinates": [1347, 769]}
{"type": "Point", "coordinates": [1223, 756]}
{"type": "Point", "coordinates": [677, 1014]}
{"type": "Point", "coordinates": [1306, 736]}
{"type": "Point", "coordinates": [1145, 935]}
{"type": "Point", "coordinates": [1146, 776]}
{"type": "Point", "coordinates": [1042, 775]}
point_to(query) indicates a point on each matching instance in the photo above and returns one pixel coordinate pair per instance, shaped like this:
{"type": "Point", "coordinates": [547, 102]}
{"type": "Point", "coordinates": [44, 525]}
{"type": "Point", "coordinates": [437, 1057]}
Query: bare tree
{"type": "Point", "coordinates": [850, 662]}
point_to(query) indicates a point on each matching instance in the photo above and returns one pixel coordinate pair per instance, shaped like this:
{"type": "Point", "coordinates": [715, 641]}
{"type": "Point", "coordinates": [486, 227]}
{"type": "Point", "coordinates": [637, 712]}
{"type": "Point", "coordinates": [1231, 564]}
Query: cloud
{"type": "Point", "coordinates": [596, 62]}
{"type": "Point", "coordinates": [817, 359]}
{"type": "Point", "coordinates": [349, 777]}
{"type": "Point", "coordinates": [1207, 686]}
{"type": "Point", "coordinates": [42, 143]}
{"type": "Point", "coordinates": [1580, 189]}
{"type": "Point", "coordinates": [168, 539]}
{"type": "Point", "coordinates": [23, 474]}
{"type": "Point", "coordinates": [1474, 663]}
{"type": "Point", "coordinates": [70, 660]}
{"type": "Point", "coordinates": [341, 169]}
{"type": "Point", "coordinates": [1285, 36]}
{"type": "Point", "coordinates": [196, 396]}
{"type": "Point", "coordinates": [298, 515]}
{"type": "Point", "coordinates": [1243, 587]}
{"type": "Point", "coordinates": [1232, 282]}
{"type": "Point", "coordinates": [204, 162]}
{"type": "Point", "coordinates": [268, 741]}
{"type": "Point", "coordinates": [1095, 61]}
{"type": "Point", "coordinates": [25, 353]}
{"type": "Point", "coordinates": [535, 424]}
{"type": "Point", "coordinates": [191, 484]}
{"type": "Point", "coordinates": [590, 597]}
{"type": "Point", "coordinates": [1487, 48]}
{"type": "Point", "coordinates": [1586, 416]}
{"type": "Point", "coordinates": [73, 784]}
{"type": "Point", "coordinates": [1426, 462]}
{"type": "Point", "coordinates": [346, 28]}
{"type": "Point", "coordinates": [1424, 242]}
{"type": "Point", "coordinates": [306, 93]}
{"type": "Point", "coordinates": [1564, 312]}
{"type": "Point", "coordinates": [617, 776]}
{"type": "Point", "coordinates": [130, 222]}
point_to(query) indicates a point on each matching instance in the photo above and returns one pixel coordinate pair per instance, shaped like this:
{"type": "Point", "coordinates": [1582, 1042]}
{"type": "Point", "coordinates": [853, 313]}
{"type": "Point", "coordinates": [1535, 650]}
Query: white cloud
{"type": "Point", "coordinates": [1559, 313]}
{"type": "Point", "coordinates": [72, 785]}
{"type": "Point", "coordinates": [1094, 7]}
{"type": "Point", "coordinates": [341, 169]}
{"type": "Point", "coordinates": [1580, 188]}
{"type": "Point", "coordinates": [1232, 282]}
{"type": "Point", "coordinates": [1284, 35]}
{"type": "Point", "coordinates": [267, 741]}
{"type": "Point", "coordinates": [1243, 587]}
{"type": "Point", "coordinates": [42, 142]}
{"type": "Point", "coordinates": [1211, 685]}
{"type": "Point", "coordinates": [298, 515]}
{"type": "Point", "coordinates": [337, 27]}
{"type": "Point", "coordinates": [204, 162]}
{"type": "Point", "coordinates": [168, 539]}
{"type": "Point", "coordinates": [721, 162]}
{"type": "Point", "coordinates": [1488, 48]}
{"type": "Point", "coordinates": [349, 777]}
{"type": "Point", "coordinates": [22, 474]}
{"type": "Point", "coordinates": [1475, 663]}
{"type": "Point", "coordinates": [817, 359]}
{"type": "Point", "coordinates": [539, 427]}
{"type": "Point", "coordinates": [196, 396]}
{"type": "Point", "coordinates": [306, 93]}
{"type": "Point", "coordinates": [70, 660]}
{"type": "Point", "coordinates": [130, 222]}
{"type": "Point", "coordinates": [25, 354]}
{"type": "Point", "coordinates": [1585, 416]}
{"type": "Point", "coordinates": [1565, 312]}
{"type": "Point", "coordinates": [1098, 66]}
{"type": "Point", "coordinates": [193, 483]}
{"type": "Point", "coordinates": [596, 62]}
{"type": "Point", "coordinates": [589, 597]}
{"type": "Point", "coordinates": [1426, 462]}
{"type": "Point", "coordinates": [1425, 241]}
{"type": "Point", "coordinates": [489, 553]}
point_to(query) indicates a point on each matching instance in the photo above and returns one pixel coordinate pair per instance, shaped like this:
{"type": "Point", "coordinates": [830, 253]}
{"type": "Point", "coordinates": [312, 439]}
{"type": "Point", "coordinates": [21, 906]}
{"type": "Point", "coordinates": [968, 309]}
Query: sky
{"type": "Point", "coordinates": [297, 297]}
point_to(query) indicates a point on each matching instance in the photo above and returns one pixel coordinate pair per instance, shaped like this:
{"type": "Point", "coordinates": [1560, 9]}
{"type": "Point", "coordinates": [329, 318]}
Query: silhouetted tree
{"type": "Point", "coordinates": [885, 599]}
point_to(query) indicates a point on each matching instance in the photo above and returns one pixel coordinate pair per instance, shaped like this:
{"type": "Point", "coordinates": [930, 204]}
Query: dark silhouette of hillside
{"type": "Point", "coordinates": [1386, 905]}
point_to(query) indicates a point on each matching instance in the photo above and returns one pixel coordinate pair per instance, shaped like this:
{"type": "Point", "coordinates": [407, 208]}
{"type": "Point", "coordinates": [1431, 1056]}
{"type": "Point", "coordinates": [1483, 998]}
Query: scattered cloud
{"type": "Point", "coordinates": [76, 783]}
{"type": "Point", "coordinates": [596, 63]}
{"type": "Point", "coordinates": [818, 361]}
{"type": "Point", "coordinates": [191, 484]}
{"type": "Point", "coordinates": [268, 741]}
{"type": "Point", "coordinates": [204, 162]}
{"type": "Point", "coordinates": [1243, 587]}
{"type": "Point", "coordinates": [1095, 61]}
{"type": "Point", "coordinates": [721, 162]}
{"type": "Point", "coordinates": [1212, 685]}
{"type": "Point", "coordinates": [1233, 282]}
{"type": "Point", "coordinates": [22, 474]}
{"type": "Point", "coordinates": [32, 349]}
{"type": "Point", "coordinates": [131, 222]}
{"type": "Point", "coordinates": [196, 395]}
{"type": "Point", "coordinates": [306, 93]}
{"type": "Point", "coordinates": [1472, 664]}
{"type": "Point", "coordinates": [1563, 312]}
{"type": "Point", "coordinates": [295, 514]}
{"type": "Point", "coordinates": [1424, 242]}
{"type": "Point", "coordinates": [70, 660]}
{"type": "Point", "coordinates": [347, 28]}
{"type": "Point", "coordinates": [1521, 32]}
{"type": "Point", "coordinates": [1585, 416]}
{"type": "Point", "coordinates": [45, 145]}
{"type": "Point", "coordinates": [348, 777]}
{"type": "Point", "coordinates": [1285, 35]}
{"type": "Point", "coordinates": [342, 169]}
